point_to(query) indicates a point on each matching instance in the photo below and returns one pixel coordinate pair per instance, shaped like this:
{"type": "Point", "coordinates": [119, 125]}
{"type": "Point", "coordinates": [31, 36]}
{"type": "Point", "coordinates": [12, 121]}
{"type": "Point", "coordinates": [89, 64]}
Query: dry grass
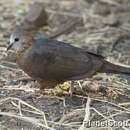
{"type": "Point", "coordinates": [104, 33]}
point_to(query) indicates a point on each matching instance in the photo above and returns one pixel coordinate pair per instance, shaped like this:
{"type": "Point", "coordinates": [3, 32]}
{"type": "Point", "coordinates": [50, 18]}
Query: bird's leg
{"type": "Point", "coordinates": [71, 89]}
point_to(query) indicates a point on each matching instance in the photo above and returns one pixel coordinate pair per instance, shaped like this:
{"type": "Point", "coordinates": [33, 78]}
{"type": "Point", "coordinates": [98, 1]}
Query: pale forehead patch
{"type": "Point", "coordinates": [12, 39]}
{"type": "Point", "coordinates": [13, 36]}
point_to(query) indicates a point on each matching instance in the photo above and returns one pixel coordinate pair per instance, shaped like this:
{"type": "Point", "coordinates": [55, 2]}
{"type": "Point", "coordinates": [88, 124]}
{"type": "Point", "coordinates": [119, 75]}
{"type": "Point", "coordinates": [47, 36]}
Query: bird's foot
{"type": "Point", "coordinates": [72, 88]}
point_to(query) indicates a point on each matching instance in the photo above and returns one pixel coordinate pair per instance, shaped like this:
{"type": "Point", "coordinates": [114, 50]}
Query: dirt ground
{"type": "Point", "coordinates": [105, 30]}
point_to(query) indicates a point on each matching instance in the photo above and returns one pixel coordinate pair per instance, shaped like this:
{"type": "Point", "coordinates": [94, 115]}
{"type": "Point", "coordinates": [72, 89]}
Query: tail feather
{"type": "Point", "coordinates": [116, 69]}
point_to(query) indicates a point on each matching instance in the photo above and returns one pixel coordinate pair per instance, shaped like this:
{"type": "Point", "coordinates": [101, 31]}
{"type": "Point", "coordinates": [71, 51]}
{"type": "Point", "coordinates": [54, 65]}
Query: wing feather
{"type": "Point", "coordinates": [58, 60]}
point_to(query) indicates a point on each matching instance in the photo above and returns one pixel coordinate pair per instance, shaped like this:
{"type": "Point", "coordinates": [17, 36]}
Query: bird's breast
{"type": "Point", "coordinates": [29, 62]}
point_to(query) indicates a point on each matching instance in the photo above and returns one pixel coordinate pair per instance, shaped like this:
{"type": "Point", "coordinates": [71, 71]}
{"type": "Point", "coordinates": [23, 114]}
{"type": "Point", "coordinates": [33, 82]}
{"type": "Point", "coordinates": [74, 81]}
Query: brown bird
{"type": "Point", "coordinates": [51, 62]}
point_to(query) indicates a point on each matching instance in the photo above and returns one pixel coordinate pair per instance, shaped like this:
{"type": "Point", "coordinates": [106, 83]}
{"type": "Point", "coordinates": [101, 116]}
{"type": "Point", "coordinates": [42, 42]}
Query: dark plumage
{"type": "Point", "coordinates": [51, 62]}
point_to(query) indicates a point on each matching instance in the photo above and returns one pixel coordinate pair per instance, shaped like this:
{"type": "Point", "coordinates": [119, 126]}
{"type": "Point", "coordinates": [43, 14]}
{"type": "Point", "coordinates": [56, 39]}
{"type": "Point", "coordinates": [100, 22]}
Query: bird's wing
{"type": "Point", "coordinates": [52, 59]}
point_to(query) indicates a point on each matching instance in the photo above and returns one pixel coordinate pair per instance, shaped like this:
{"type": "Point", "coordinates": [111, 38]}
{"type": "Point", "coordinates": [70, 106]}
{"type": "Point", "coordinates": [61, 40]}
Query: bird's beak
{"type": "Point", "coordinates": [9, 47]}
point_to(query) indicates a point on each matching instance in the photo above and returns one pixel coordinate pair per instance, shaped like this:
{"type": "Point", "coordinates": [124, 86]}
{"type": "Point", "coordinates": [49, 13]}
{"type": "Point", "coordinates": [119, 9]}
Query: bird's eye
{"type": "Point", "coordinates": [16, 39]}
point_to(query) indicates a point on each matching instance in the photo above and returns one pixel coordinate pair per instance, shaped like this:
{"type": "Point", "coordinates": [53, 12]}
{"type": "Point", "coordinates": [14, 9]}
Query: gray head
{"type": "Point", "coordinates": [19, 40]}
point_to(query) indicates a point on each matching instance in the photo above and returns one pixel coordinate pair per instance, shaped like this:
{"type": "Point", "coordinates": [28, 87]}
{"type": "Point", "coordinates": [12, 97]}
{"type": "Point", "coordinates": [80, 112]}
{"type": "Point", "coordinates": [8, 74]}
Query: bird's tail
{"type": "Point", "coordinates": [116, 69]}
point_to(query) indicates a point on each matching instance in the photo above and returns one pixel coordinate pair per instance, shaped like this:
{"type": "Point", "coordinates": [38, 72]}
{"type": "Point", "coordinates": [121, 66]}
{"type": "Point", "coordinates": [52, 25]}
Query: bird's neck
{"type": "Point", "coordinates": [22, 58]}
{"type": "Point", "coordinates": [20, 54]}
{"type": "Point", "coordinates": [26, 44]}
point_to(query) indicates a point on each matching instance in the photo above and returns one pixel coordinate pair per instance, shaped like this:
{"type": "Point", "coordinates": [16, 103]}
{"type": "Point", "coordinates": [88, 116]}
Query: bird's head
{"type": "Point", "coordinates": [19, 40]}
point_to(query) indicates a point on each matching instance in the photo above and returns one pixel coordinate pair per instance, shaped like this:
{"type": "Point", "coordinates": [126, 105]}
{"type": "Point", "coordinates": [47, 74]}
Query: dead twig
{"type": "Point", "coordinates": [31, 120]}
{"type": "Point", "coordinates": [87, 115]}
